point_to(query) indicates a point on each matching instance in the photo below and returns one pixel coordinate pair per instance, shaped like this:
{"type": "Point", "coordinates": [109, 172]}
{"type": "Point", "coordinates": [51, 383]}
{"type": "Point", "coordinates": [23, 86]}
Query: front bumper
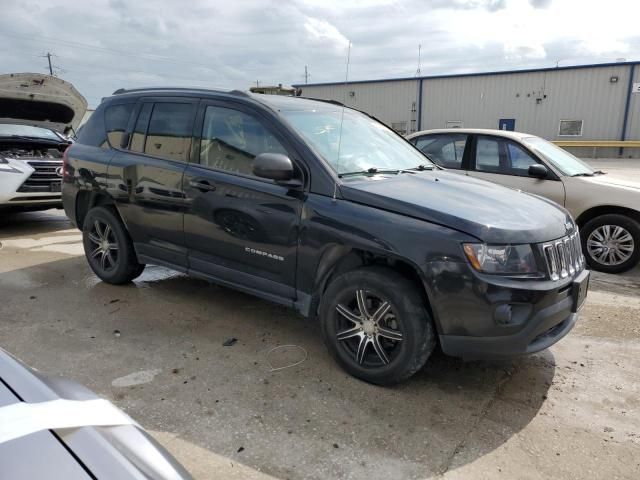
{"type": "Point", "coordinates": [544, 326]}
{"type": "Point", "coordinates": [30, 183]}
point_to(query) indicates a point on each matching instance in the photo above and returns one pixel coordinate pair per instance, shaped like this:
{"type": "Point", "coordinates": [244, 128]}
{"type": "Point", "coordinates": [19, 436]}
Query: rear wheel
{"type": "Point", "coordinates": [108, 248]}
{"type": "Point", "coordinates": [376, 326]}
{"type": "Point", "coordinates": [611, 243]}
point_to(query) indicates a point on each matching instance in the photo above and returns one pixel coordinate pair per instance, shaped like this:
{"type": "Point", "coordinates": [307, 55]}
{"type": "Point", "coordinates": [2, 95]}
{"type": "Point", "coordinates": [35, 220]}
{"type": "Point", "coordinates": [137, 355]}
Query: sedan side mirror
{"type": "Point", "coordinates": [538, 171]}
{"type": "Point", "coordinates": [274, 166]}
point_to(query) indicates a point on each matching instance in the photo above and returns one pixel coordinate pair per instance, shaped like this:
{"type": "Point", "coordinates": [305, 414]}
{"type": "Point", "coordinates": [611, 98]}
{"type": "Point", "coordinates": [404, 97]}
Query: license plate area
{"type": "Point", "coordinates": [579, 290]}
{"type": "Point", "coordinates": [56, 187]}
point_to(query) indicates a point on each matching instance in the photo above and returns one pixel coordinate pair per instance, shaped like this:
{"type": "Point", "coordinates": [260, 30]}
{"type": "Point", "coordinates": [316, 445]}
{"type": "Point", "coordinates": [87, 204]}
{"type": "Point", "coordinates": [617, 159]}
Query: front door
{"type": "Point", "coordinates": [505, 162]}
{"type": "Point", "coordinates": [507, 124]}
{"type": "Point", "coordinates": [238, 227]}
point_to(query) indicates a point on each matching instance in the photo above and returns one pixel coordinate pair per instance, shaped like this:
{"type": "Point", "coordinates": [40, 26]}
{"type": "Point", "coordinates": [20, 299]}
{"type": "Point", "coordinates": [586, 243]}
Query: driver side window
{"type": "Point", "coordinates": [232, 139]}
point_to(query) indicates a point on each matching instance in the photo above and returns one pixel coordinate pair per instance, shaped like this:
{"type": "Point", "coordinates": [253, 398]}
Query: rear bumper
{"type": "Point", "coordinates": [544, 328]}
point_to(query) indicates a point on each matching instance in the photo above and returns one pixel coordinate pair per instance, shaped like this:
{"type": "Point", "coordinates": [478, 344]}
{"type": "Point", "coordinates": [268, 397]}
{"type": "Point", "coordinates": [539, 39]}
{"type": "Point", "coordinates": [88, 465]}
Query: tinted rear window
{"type": "Point", "coordinates": [170, 130]}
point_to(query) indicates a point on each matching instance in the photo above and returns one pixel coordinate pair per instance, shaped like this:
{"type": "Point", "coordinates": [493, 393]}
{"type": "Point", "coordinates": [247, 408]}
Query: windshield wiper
{"type": "Point", "coordinates": [422, 167]}
{"type": "Point", "coordinates": [599, 172]}
{"type": "Point", "coordinates": [583, 174]}
{"type": "Point", "coordinates": [372, 171]}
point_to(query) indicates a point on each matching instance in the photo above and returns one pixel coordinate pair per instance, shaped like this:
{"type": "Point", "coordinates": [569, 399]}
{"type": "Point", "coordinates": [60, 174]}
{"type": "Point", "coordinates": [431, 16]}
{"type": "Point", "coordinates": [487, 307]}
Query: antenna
{"type": "Point", "coordinates": [346, 81]}
{"type": "Point", "coordinates": [419, 59]}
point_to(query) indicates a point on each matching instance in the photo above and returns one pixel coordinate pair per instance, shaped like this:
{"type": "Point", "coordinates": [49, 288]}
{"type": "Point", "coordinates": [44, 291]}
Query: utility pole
{"type": "Point", "coordinates": [50, 67]}
{"type": "Point", "coordinates": [419, 59]}
{"type": "Point", "coordinates": [306, 75]}
{"type": "Point", "coordinates": [258, 83]}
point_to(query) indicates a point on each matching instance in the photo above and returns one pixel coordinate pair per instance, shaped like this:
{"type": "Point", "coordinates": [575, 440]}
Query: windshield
{"type": "Point", "coordinates": [558, 157]}
{"type": "Point", "coordinates": [9, 130]}
{"type": "Point", "coordinates": [365, 143]}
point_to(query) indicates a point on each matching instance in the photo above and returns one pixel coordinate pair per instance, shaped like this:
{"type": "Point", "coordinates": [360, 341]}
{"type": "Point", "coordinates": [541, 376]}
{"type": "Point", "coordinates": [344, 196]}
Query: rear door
{"type": "Point", "coordinates": [503, 161]}
{"type": "Point", "coordinates": [238, 227]}
{"type": "Point", "coordinates": [146, 174]}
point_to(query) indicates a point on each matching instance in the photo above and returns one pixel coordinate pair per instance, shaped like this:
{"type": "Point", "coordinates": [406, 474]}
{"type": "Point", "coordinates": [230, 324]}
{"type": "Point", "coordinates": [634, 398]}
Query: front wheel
{"type": "Point", "coordinates": [611, 243]}
{"type": "Point", "coordinates": [376, 326]}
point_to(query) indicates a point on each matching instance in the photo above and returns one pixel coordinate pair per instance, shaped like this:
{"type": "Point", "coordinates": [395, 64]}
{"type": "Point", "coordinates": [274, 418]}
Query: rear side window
{"type": "Point", "coordinates": [488, 158]}
{"type": "Point", "coordinates": [169, 131]}
{"type": "Point", "coordinates": [116, 118]}
{"type": "Point", "coordinates": [446, 150]}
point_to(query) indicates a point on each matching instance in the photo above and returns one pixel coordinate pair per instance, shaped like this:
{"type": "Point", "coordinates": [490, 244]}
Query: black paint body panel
{"type": "Point", "coordinates": [283, 243]}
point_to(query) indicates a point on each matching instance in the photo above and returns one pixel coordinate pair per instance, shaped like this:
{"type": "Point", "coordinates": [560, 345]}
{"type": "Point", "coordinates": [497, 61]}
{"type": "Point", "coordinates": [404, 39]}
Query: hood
{"type": "Point", "coordinates": [490, 212]}
{"type": "Point", "coordinates": [610, 180]}
{"type": "Point", "coordinates": [40, 100]}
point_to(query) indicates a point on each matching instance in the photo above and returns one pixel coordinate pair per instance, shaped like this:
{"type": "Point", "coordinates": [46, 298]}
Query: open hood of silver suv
{"type": "Point", "coordinates": [40, 100]}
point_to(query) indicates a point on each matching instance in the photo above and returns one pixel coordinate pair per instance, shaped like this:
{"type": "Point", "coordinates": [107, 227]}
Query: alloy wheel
{"type": "Point", "coordinates": [104, 245]}
{"type": "Point", "coordinates": [368, 329]}
{"type": "Point", "coordinates": [610, 245]}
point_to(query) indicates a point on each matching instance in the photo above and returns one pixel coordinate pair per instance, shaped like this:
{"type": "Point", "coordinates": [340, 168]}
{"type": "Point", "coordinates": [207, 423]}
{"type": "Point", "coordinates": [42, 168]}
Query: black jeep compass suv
{"type": "Point", "coordinates": [325, 209]}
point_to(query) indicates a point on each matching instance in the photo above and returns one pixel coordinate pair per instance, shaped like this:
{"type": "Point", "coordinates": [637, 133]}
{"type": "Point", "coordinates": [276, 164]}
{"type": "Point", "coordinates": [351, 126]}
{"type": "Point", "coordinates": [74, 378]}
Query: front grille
{"type": "Point", "coordinates": [45, 177]}
{"type": "Point", "coordinates": [564, 256]}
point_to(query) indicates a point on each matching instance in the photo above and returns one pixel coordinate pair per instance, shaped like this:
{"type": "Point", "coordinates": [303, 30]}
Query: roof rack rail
{"type": "Point", "coordinates": [182, 89]}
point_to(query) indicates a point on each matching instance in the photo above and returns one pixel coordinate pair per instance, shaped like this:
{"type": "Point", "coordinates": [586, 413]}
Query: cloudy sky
{"type": "Point", "coordinates": [102, 45]}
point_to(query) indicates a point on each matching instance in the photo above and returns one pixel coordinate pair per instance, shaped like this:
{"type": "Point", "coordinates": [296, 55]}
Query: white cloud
{"type": "Point", "coordinates": [102, 45]}
{"type": "Point", "coordinates": [323, 33]}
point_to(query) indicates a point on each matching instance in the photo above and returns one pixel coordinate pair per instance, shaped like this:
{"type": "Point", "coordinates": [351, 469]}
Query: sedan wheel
{"type": "Point", "coordinates": [610, 245]}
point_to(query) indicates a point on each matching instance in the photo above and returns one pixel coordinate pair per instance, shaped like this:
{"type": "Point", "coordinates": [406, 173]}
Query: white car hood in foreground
{"type": "Point", "coordinates": [40, 100]}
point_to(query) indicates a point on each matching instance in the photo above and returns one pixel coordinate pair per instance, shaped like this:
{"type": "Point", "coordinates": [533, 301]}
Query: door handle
{"type": "Point", "coordinates": [202, 185]}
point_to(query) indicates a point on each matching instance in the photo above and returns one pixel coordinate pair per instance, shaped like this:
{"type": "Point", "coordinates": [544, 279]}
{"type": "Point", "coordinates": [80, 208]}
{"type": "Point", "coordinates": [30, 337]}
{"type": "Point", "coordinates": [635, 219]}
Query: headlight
{"type": "Point", "coordinates": [504, 259]}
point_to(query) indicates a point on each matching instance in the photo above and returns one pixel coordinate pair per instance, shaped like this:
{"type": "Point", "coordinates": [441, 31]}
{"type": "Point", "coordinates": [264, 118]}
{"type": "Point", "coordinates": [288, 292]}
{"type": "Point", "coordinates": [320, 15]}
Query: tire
{"type": "Point", "coordinates": [114, 260]}
{"type": "Point", "coordinates": [611, 243]}
{"type": "Point", "coordinates": [404, 333]}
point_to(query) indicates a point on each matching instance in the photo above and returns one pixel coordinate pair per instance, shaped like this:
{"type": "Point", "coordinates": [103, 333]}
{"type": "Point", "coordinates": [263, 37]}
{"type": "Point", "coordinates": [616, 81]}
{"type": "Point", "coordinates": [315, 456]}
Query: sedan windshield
{"type": "Point", "coordinates": [558, 157]}
{"type": "Point", "coordinates": [352, 142]}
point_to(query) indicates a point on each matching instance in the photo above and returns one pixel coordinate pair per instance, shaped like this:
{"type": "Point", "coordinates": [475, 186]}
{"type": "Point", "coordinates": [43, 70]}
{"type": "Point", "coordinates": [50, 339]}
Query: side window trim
{"type": "Point", "coordinates": [197, 140]}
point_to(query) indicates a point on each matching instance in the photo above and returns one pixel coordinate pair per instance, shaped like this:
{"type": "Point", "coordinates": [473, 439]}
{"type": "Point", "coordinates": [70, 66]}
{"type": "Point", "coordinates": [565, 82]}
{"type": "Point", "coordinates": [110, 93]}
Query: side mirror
{"type": "Point", "coordinates": [538, 171]}
{"type": "Point", "coordinates": [274, 166]}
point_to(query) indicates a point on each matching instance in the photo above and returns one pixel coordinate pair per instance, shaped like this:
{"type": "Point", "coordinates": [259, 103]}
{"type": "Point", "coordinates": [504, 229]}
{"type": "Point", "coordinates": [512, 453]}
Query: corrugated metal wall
{"type": "Point", "coordinates": [537, 101]}
{"type": "Point", "coordinates": [391, 102]}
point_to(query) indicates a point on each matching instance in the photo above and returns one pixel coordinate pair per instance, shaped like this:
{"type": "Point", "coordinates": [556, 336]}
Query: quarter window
{"type": "Point", "coordinates": [231, 140]}
{"type": "Point", "coordinates": [446, 150]}
{"type": "Point", "coordinates": [116, 119]}
{"type": "Point", "coordinates": [169, 132]}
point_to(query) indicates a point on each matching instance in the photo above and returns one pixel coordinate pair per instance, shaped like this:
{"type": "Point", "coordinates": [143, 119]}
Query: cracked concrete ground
{"type": "Point", "coordinates": [572, 411]}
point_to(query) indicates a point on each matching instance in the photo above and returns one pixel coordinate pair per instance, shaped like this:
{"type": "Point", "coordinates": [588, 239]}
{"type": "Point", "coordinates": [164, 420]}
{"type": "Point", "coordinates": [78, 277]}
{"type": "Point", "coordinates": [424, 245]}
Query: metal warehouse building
{"type": "Point", "coordinates": [586, 102]}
